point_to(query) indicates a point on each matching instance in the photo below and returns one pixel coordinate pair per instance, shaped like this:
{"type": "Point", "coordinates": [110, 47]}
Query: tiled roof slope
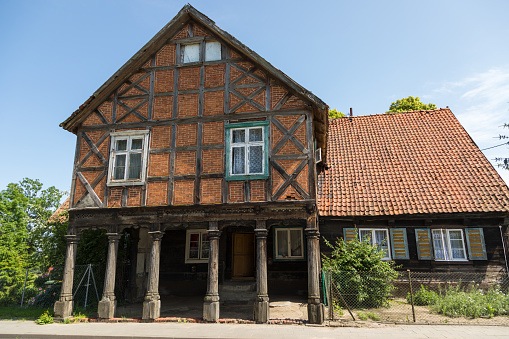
{"type": "Point", "coordinates": [406, 163]}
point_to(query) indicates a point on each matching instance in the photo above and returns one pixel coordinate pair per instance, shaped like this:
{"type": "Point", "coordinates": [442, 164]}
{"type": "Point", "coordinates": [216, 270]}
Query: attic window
{"type": "Point", "coordinates": [191, 52]}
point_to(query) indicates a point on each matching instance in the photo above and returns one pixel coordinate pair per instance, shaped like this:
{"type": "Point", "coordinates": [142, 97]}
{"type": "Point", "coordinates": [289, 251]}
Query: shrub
{"type": "Point", "coordinates": [423, 297]}
{"type": "Point", "coordinates": [44, 319]}
{"type": "Point", "coordinates": [360, 274]}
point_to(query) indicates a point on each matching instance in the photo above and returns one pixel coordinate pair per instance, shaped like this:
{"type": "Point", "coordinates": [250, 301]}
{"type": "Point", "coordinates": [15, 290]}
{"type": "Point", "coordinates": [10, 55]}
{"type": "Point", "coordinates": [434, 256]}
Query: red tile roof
{"type": "Point", "coordinates": [59, 216]}
{"type": "Point", "coordinates": [406, 163]}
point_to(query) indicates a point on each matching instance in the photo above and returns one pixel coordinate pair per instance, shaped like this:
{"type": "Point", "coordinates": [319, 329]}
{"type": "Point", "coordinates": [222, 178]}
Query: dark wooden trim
{"type": "Point", "coordinates": [135, 84]}
{"type": "Point", "coordinates": [290, 157]}
{"type": "Point", "coordinates": [75, 168]}
{"type": "Point", "coordinates": [268, 182]}
{"type": "Point", "coordinates": [101, 117]}
{"type": "Point", "coordinates": [99, 142]}
{"type": "Point", "coordinates": [160, 178]}
{"type": "Point", "coordinates": [90, 190]}
{"type": "Point", "coordinates": [227, 85]}
{"type": "Point", "coordinates": [289, 135]}
{"type": "Point", "coordinates": [124, 196]}
{"type": "Point", "coordinates": [92, 169]}
{"type": "Point", "coordinates": [283, 101]}
{"type": "Point", "coordinates": [133, 110]}
{"type": "Point", "coordinates": [151, 92]}
{"type": "Point", "coordinates": [247, 100]}
{"type": "Point", "coordinates": [173, 142]}
{"type": "Point", "coordinates": [290, 180]}
{"type": "Point", "coordinates": [190, 64]}
{"type": "Point", "coordinates": [114, 108]}
{"type": "Point", "coordinates": [247, 72]}
{"type": "Point", "coordinates": [247, 191]}
{"type": "Point", "coordinates": [312, 165]}
{"type": "Point", "coordinates": [94, 148]}
{"type": "Point", "coordinates": [197, 180]}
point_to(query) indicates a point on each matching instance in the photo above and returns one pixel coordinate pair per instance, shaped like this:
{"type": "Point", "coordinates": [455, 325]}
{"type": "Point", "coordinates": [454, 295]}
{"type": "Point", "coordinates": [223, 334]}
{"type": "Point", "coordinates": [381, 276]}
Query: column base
{"type": "Point", "coordinates": [63, 309]}
{"type": "Point", "coordinates": [261, 311]}
{"type": "Point", "coordinates": [316, 313]}
{"type": "Point", "coordinates": [106, 309]}
{"type": "Point", "coordinates": [151, 309]}
{"type": "Point", "coordinates": [211, 311]}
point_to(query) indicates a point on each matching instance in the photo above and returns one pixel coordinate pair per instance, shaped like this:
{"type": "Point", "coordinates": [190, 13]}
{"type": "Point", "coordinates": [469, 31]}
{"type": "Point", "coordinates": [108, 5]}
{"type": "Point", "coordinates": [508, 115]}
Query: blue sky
{"type": "Point", "coordinates": [359, 54]}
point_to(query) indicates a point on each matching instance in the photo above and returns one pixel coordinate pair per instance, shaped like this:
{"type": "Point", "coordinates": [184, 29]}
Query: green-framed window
{"type": "Point", "coordinates": [247, 150]}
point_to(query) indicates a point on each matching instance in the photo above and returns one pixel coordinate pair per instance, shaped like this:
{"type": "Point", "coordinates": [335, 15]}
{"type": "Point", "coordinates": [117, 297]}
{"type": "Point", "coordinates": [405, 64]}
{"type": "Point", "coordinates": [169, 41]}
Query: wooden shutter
{"type": "Point", "coordinates": [399, 243]}
{"type": "Point", "coordinates": [423, 240]}
{"type": "Point", "coordinates": [476, 245]}
{"type": "Point", "coordinates": [349, 234]}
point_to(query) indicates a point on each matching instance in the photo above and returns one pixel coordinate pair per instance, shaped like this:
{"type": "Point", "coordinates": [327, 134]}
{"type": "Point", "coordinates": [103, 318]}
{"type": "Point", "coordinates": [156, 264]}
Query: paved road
{"type": "Point", "coordinates": [28, 329]}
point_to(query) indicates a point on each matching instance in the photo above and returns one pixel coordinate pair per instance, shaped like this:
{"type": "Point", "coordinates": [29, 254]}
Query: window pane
{"type": "Point", "coordinates": [212, 51]}
{"type": "Point", "coordinates": [256, 159]}
{"type": "Point", "coordinates": [137, 144]}
{"type": "Point", "coordinates": [456, 240]}
{"type": "Point", "coordinates": [282, 243]}
{"type": "Point", "coordinates": [437, 245]}
{"type": "Point", "coordinates": [381, 241]}
{"type": "Point", "coordinates": [239, 135]}
{"type": "Point", "coordinates": [296, 242]}
{"type": "Point", "coordinates": [365, 235]}
{"type": "Point", "coordinates": [193, 245]}
{"type": "Point", "coordinates": [238, 160]}
{"type": "Point", "coordinates": [119, 170]}
{"type": "Point", "coordinates": [205, 247]}
{"type": "Point", "coordinates": [191, 53]}
{"type": "Point", "coordinates": [134, 166]}
{"type": "Point", "coordinates": [256, 134]}
{"type": "Point", "coordinates": [121, 145]}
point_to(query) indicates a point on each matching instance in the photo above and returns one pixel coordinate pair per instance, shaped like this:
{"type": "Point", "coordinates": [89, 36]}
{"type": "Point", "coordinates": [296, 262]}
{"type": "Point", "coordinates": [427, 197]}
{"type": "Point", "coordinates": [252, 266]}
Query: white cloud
{"type": "Point", "coordinates": [481, 104]}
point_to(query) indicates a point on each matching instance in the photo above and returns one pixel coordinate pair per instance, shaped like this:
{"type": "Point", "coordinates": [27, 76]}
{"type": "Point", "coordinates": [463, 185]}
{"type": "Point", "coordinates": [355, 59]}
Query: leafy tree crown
{"type": "Point", "coordinates": [409, 104]}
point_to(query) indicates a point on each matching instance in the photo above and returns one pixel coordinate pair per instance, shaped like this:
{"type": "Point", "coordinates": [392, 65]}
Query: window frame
{"type": "Point", "coordinates": [388, 237]}
{"type": "Point", "coordinates": [200, 246]}
{"type": "Point", "coordinates": [129, 136]}
{"type": "Point", "coordinates": [202, 51]}
{"type": "Point", "coordinates": [289, 257]}
{"type": "Point", "coordinates": [229, 146]}
{"type": "Point", "coordinates": [448, 242]}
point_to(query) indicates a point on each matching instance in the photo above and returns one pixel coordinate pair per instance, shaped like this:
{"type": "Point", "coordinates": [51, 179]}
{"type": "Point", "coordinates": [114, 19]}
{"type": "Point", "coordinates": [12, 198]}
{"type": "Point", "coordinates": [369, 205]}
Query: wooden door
{"type": "Point", "coordinates": [243, 255]}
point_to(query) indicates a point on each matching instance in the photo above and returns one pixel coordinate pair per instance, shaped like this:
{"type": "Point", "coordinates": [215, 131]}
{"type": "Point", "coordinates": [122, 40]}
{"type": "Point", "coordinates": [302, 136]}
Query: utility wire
{"type": "Point", "coordinates": [505, 143]}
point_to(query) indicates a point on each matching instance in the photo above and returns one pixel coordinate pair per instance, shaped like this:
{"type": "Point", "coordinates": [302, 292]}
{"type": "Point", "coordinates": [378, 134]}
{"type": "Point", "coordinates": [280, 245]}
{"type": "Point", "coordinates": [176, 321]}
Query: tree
{"type": "Point", "coordinates": [334, 114]}
{"type": "Point", "coordinates": [359, 272]}
{"type": "Point", "coordinates": [409, 104]}
{"type": "Point", "coordinates": [503, 162]}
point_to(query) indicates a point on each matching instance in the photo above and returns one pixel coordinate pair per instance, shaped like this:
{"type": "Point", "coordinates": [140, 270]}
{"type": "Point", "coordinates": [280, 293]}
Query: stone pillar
{"type": "Point", "coordinates": [211, 301]}
{"type": "Point", "coordinates": [108, 303]}
{"type": "Point", "coordinates": [133, 256]}
{"type": "Point", "coordinates": [152, 302]}
{"type": "Point", "coordinates": [261, 305]}
{"type": "Point", "coordinates": [63, 307]}
{"type": "Point", "coordinates": [315, 307]}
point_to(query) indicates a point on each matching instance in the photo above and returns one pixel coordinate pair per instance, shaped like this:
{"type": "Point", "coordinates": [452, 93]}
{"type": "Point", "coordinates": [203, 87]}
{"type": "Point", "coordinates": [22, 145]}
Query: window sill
{"type": "Point", "coordinates": [289, 259]}
{"type": "Point", "coordinates": [453, 261]}
{"type": "Point", "coordinates": [247, 177]}
{"type": "Point", "coordinates": [125, 183]}
{"type": "Point", "coordinates": [196, 261]}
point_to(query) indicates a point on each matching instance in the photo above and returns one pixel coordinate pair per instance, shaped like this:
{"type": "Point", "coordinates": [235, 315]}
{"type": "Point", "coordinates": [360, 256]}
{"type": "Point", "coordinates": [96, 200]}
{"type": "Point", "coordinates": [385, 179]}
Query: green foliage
{"type": "Point", "coordinates": [45, 319]}
{"type": "Point", "coordinates": [423, 297]}
{"type": "Point", "coordinates": [368, 315]}
{"type": "Point", "coordinates": [359, 272]}
{"type": "Point", "coordinates": [503, 162]}
{"type": "Point", "coordinates": [14, 312]}
{"type": "Point", "coordinates": [409, 104]}
{"type": "Point", "coordinates": [334, 114]}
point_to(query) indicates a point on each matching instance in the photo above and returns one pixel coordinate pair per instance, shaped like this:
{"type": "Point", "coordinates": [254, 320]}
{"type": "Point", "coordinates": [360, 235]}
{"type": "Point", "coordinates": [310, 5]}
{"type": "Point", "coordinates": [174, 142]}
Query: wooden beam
{"type": "Point", "coordinates": [90, 190]}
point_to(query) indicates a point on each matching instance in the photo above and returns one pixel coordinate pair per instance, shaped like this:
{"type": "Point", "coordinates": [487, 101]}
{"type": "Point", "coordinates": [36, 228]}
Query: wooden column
{"type": "Point", "coordinates": [315, 307]}
{"type": "Point", "coordinates": [63, 307]}
{"type": "Point", "coordinates": [108, 303]}
{"type": "Point", "coordinates": [211, 301]}
{"type": "Point", "coordinates": [133, 258]}
{"type": "Point", "coordinates": [152, 302]}
{"type": "Point", "coordinates": [261, 305]}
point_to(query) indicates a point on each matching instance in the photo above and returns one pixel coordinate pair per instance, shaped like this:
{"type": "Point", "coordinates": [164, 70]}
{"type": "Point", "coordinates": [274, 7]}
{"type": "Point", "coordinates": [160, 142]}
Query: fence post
{"type": "Point", "coordinates": [411, 294]}
{"type": "Point", "coordinates": [331, 300]}
{"type": "Point", "coordinates": [24, 287]}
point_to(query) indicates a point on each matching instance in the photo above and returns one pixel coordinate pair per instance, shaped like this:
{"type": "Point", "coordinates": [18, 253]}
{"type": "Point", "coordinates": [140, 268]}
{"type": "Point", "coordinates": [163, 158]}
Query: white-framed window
{"type": "Point", "coordinates": [128, 157]}
{"type": "Point", "coordinates": [247, 150]}
{"type": "Point", "coordinates": [449, 245]}
{"type": "Point", "coordinates": [378, 237]}
{"type": "Point", "coordinates": [197, 246]}
{"type": "Point", "coordinates": [289, 243]}
{"type": "Point", "coordinates": [191, 52]}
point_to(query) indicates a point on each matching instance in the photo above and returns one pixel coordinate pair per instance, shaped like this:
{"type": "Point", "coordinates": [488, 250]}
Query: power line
{"type": "Point", "coordinates": [505, 143]}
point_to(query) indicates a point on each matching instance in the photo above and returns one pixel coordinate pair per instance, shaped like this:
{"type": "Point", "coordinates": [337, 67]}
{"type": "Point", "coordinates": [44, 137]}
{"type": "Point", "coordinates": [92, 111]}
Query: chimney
{"type": "Point", "coordinates": [351, 113]}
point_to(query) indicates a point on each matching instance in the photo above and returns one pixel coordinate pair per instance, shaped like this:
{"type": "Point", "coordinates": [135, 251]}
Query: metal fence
{"type": "Point", "coordinates": [35, 289]}
{"type": "Point", "coordinates": [403, 297]}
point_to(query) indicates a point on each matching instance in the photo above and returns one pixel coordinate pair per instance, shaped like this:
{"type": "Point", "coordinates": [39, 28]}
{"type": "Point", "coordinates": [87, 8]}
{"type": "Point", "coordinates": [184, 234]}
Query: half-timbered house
{"type": "Point", "coordinates": [205, 153]}
{"type": "Point", "coordinates": [417, 185]}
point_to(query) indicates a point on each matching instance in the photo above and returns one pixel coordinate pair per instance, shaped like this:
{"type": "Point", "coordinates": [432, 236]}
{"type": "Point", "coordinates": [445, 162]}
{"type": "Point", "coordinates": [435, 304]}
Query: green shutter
{"type": "Point", "coordinates": [349, 234]}
{"type": "Point", "coordinates": [423, 240]}
{"type": "Point", "coordinates": [399, 243]}
{"type": "Point", "coordinates": [476, 245]}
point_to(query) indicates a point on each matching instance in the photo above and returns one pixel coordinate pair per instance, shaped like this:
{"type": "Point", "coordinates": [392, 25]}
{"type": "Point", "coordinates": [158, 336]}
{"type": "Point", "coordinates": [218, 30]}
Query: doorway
{"type": "Point", "coordinates": [243, 256]}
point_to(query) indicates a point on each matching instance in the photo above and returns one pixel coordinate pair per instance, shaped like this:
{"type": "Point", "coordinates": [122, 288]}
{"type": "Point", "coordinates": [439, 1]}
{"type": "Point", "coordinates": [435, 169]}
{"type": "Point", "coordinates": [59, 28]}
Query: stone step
{"type": "Point", "coordinates": [237, 291]}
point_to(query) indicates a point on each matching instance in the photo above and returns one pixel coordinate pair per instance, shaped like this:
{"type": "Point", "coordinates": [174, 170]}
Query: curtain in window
{"type": "Point", "coordinates": [296, 243]}
{"type": "Point", "coordinates": [238, 160]}
{"type": "Point", "coordinates": [205, 246]}
{"type": "Point", "coordinates": [194, 244]}
{"type": "Point", "coordinates": [282, 243]}
{"type": "Point", "coordinates": [438, 245]}
{"type": "Point", "coordinates": [255, 159]}
{"type": "Point", "coordinates": [456, 241]}
{"type": "Point", "coordinates": [365, 235]}
{"type": "Point", "coordinates": [119, 171]}
{"type": "Point", "coordinates": [134, 166]}
{"type": "Point", "coordinates": [381, 241]}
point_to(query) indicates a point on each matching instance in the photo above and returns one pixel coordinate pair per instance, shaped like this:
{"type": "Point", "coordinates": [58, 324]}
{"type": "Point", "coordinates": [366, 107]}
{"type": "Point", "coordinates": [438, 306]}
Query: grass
{"type": "Point", "coordinates": [14, 312]}
{"type": "Point", "coordinates": [368, 315]}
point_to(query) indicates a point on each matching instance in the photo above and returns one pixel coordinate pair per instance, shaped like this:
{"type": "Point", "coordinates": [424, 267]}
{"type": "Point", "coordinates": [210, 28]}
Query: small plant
{"type": "Point", "coordinates": [373, 316]}
{"type": "Point", "coordinates": [337, 308]}
{"type": "Point", "coordinates": [44, 319]}
{"type": "Point", "coordinates": [423, 297]}
{"type": "Point", "coordinates": [79, 317]}
{"type": "Point", "coordinates": [362, 316]}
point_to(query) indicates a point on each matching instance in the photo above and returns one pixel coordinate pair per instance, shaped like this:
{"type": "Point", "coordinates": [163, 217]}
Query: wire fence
{"type": "Point", "coordinates": [32, 288]}
{"type": "Point", "coordinates": [403, 297]}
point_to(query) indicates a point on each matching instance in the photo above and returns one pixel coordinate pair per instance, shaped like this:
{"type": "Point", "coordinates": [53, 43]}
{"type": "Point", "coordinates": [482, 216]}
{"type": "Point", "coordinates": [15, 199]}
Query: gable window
{"type": "Point", "coordinates": [378, 237]}
{"type": "Point", "coordinates": [448, 245]}
{"type": "Point", "coordinates": [128, 158]}
{"type": "Point", "coordinates": [289, 243]}
{"type": "Point", "coordinates": [191, 52]}
{"type": "Point", "coordinates": [247, 156]}
{"type": "Point", "coordinates": [197, 246]}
